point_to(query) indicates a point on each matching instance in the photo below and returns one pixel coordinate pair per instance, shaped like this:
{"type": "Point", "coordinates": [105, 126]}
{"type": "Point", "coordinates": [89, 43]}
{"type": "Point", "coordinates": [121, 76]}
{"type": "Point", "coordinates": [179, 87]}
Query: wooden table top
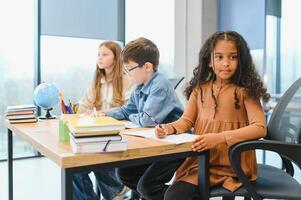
{"type": "Point", "coordinates": [44, 136]}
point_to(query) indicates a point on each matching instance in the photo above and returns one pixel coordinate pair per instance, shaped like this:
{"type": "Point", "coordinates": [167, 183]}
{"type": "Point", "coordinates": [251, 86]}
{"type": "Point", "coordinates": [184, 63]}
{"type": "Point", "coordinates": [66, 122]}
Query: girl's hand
{"type": "Point", "coordinates": [207, 141]}
{"type": "Point", "coordinates": [88, 112]}
{"type": "Point", "coordinates": [91, 113]}
{"type": "Point", "coordinates": [164, 130]}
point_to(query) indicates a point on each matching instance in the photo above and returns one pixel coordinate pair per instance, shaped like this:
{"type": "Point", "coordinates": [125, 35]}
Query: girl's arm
{"type": "Point", "coordinates": [186, 122]}
{"type": "Point", "coordinates": [85, 104]}
{"type": "Point", "coordinates": [257, 124]}
{"type": "Point", "coordinates": [256, 129]}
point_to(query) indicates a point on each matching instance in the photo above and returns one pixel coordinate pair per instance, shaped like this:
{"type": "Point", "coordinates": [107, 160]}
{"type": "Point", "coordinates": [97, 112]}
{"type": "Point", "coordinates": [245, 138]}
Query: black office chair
{"type": "Point", "coordinates": [284, 136]}
{"type": "Point", "coordinates": [176, 81]}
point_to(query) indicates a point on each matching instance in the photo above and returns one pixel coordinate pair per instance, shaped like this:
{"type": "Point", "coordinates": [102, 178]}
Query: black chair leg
{"type": "Point", "coordinates": [97, 191]}
{"type": "Point", "coordinates": [134, 195]}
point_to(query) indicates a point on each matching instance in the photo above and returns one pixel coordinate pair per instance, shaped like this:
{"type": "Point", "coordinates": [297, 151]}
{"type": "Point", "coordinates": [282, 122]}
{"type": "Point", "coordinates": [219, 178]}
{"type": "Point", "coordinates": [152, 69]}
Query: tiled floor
{"type": "Point", "coordinates": [39, 178]}
{"type": "Point", "coordinates": [34, 179]}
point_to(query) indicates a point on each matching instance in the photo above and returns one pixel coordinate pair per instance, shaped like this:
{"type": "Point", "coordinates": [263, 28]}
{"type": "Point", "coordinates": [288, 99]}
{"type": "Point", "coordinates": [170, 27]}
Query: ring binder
{"type": "Point", "coordinates": [106, 146]}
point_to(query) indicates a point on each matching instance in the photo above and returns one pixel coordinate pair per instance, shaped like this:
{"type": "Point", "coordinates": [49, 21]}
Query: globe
{"type": "Point", "coordinates": [46, 95]}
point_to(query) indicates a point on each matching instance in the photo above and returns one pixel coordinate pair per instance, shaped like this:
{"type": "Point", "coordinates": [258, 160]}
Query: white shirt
{"type": "Point", "coordinates": [106, 95]}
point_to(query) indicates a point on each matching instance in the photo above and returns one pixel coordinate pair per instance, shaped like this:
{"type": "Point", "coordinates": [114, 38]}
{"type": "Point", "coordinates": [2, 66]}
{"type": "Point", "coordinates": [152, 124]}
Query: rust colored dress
{"type": "Point", "coordinates": [236, 125]}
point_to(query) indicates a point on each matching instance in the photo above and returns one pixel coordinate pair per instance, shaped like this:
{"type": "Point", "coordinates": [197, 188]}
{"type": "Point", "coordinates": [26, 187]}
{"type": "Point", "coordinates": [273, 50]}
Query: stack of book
{"type": "Point", "coordinates": [95, 134]}
{"type": "Point", "coordinates": [21, 113]}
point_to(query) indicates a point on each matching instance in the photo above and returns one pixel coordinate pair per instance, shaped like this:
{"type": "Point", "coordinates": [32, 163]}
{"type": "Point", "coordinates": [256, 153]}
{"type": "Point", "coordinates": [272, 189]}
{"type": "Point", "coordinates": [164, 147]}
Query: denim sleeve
{"type": "Point", "coordinates": [124, 111]}
{"type": "Point", "coordinates": [158, 105]}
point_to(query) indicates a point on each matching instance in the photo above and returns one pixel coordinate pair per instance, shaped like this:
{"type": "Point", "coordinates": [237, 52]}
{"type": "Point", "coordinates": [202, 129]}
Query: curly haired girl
{"type": "Point", "coordinates": [223, 109]}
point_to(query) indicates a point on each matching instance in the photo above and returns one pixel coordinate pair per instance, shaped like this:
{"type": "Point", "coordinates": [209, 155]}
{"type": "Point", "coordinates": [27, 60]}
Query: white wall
{"type": "Point", "coordinates": [153, 19]}
{"type": "Point", "coordinates": [195, 20]}
{"type": "Point", "coordinates": [178, 27]}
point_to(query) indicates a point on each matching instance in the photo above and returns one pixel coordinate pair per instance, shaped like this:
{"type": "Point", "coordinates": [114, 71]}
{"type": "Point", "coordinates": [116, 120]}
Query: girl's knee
{"type": "Point", "coordinates": [142, 188]}
{"type": "Point", "coordinates": [122, 173]}
{"type": "Point", "coordinates": [170, 194]}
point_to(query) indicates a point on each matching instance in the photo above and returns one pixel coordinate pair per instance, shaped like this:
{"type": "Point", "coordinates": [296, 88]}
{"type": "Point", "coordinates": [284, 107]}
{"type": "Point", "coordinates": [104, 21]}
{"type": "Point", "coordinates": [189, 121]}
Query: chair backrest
{"type": "Point", "coordinates": [176, 81]}
{"type": "Point", "coordinates": [285, 121]}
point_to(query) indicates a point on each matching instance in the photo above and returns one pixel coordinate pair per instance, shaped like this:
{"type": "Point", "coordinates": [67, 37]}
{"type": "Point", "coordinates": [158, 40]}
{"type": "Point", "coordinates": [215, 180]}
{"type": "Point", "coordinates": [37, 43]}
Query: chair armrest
{"type": "Point", "coordinates": [287, 150]}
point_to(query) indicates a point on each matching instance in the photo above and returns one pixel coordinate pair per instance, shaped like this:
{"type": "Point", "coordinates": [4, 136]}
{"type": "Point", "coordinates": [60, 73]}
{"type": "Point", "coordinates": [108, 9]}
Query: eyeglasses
{"type": "Point", "coordinates": [127, 69]}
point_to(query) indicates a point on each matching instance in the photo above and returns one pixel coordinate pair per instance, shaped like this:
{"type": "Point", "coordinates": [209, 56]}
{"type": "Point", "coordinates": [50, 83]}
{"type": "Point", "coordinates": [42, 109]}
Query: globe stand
{"type": "Point", "coordinates": [47, 115]}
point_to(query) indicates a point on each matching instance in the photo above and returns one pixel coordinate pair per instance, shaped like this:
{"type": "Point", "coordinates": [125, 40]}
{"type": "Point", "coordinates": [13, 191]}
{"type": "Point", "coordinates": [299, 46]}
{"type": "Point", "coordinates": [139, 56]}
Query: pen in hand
{"type": "Point", "coordinates": [153, 120]}
{"type": "Point", "coordinates": [94, 112]}
{"type": "Point", "coordinates": [160, 126]}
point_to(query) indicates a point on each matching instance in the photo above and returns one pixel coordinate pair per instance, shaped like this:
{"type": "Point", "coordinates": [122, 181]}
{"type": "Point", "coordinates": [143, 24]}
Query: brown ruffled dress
{"type": "Point", "coordinates": [206, 115]}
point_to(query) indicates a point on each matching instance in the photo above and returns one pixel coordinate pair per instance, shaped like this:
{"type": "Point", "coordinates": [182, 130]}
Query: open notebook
{"type": "Point", "coordinates": [176, 138]}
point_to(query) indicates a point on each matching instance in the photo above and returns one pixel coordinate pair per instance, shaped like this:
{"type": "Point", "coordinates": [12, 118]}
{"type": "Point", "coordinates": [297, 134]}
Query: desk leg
{"type": "Point", "coordinates": [10, 164]}
{"type": "Point", "coordinates": [66, 180]}
{"type": "Point", "coordinates": [203, 176]}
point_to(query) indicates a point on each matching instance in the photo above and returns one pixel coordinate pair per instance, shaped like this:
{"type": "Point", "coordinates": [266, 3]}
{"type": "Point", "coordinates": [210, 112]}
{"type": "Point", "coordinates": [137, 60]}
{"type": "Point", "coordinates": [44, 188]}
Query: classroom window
{"type": "Point", "coordinates": [70, 64]}
{"type": "Point", "coordinates": [271, 54]}
{"type": "Point", "coordinates": [281, 32]}
{"type": "Point", "coordinates": [16, 65]}
{"type": "Point", "coordinates": [290, 43]}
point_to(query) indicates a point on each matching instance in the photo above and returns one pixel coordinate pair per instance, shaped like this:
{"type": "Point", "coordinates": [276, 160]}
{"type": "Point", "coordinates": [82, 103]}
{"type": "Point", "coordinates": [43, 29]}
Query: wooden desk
{"type": "Point", "coordinates": [44, 137]}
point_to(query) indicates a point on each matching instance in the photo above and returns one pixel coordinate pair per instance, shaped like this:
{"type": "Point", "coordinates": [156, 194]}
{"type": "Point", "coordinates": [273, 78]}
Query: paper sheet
{"type": "Point", "coordinates": [129, 124]}
{"type": "Point", "coordinates": [175, 139]}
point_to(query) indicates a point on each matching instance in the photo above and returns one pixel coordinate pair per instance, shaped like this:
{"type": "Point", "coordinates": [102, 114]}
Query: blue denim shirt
{"type": "Point", "coordinates": [157, 98]}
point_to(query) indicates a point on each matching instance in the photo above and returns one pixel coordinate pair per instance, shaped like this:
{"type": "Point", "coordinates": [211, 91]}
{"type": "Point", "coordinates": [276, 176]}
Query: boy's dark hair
{"type": "Point", "coordinates": [141, 50]}
{"type": "Point", "coordinates": [245, 76]}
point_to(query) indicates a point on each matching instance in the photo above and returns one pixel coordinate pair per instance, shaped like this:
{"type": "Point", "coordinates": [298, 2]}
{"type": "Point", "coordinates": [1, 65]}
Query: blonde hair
{"type": "Point", "coordinates": [117, 78]}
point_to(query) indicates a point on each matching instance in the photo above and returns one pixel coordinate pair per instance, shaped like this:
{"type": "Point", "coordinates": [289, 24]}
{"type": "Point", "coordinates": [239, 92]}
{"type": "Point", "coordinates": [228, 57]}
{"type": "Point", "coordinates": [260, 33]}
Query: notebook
{"type": "Point", "coordinates": [98, 147]}
{"type": "Point", "coordinates": [24, 107]}
{"type": "Point", "coordinates": [175, 138]}
{"type": "Point", "coordinates": [15, 121]}
{"type": "Point", "coordinates": [20, 112]}
{"type": "Point", "coordinates": [12, 117]}
{"type": "Point", "coordinates": [95, 138]}
{"type": "Point", "coordinates": [82, 125]}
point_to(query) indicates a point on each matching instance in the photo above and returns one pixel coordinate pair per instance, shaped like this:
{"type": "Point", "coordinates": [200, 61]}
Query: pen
{"type": "Point", "coordinates": [95, 112]}
{"type": "Point", "coordinates": [69, 110]}
{"type": "Point", "coordinates": [70, 105]}
{"type": "Point", "coordinates": [63, 108]}
{"type": "Point", "coordinates": [153, 119]}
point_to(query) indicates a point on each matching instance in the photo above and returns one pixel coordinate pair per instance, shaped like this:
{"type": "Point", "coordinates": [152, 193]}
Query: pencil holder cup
{"type": "Point", "coordinates": [63, 131]}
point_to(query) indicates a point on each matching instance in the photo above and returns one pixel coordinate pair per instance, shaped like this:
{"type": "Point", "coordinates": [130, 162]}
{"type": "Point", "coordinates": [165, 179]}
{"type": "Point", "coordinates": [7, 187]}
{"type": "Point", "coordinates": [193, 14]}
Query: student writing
{"type": "Point", "coordinates": [155, 96]}
{"type": "Point", "coordinates": [223, 109]}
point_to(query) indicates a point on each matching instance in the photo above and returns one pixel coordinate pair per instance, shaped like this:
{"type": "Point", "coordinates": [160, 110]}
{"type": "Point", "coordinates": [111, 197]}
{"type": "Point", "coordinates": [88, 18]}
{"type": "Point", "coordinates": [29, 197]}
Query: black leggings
{"type": "Point", "coordinates": [149, 180]}
{"type": "Point", "coordinates": [181, 190]}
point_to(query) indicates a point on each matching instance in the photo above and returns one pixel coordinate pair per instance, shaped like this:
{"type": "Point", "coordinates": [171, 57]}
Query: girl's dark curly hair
{"type": "Point", "coordinates": [245, 76]}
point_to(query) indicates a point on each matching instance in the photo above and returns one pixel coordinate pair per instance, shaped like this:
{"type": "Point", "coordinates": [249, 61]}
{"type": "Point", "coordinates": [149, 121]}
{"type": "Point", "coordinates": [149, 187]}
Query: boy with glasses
{"type": "Point", "coordinates": [153, 101]}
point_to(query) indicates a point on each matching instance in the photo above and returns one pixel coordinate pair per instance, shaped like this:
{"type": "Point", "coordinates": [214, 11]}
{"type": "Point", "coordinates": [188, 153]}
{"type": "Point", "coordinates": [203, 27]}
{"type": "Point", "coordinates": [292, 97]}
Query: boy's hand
{"type": "Point", "coordinates": [164, 130]}
{"type": "Point", "coordinates": [100, 114]}
{"type": "Point", "coordinates": [207, 141]}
